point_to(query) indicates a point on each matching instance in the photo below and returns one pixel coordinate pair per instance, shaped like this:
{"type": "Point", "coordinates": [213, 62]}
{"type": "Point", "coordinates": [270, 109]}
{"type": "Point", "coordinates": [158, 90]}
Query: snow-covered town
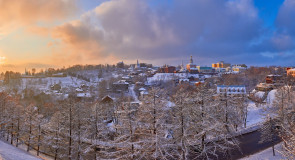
{"type": "Point", "coordinates": [141, 111]}
{"type": "Point", "coordinates": [147, 80]}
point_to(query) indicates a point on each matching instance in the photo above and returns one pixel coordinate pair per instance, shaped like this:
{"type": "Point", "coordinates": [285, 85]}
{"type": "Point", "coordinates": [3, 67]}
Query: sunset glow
{"type": "Point", "coordinates": [66, 32]}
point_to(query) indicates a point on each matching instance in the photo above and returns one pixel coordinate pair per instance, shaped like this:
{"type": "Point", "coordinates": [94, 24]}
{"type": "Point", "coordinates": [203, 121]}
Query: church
{"type": "Point", "coordinates": [191, 67]}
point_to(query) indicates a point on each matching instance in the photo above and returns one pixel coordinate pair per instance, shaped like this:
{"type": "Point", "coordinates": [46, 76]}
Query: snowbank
{"type": "Point", "coordinates": [9, 152]}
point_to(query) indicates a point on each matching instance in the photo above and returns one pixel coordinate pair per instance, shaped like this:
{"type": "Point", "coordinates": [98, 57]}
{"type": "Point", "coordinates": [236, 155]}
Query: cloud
{"type": "Point", "coordinates": [285, 19]}
{"type": "Point", "coordinates": [279, 45]}
{"type": "Point", "coordinates": [16, 13]}
{"type": "Point", "coordinates": [131, 29]}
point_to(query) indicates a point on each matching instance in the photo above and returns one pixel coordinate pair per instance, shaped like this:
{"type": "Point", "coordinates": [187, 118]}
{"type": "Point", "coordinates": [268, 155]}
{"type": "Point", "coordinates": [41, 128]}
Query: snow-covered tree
{"type": "Point", "coordinates": [31, 114]}
{"type": "Point", "coordinates": [269, 133]}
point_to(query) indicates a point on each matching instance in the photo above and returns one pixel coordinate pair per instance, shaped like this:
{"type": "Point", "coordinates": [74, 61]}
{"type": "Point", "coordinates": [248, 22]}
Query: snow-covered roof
{"type": "Point", "coordinates": [125, 77]}
{"type": "Point", "coordinates": [58, 74]}
{"type": "Point", "coordinates": [79, 90]}
{"type": "Point", "coordinates": [221, 86]}
{"type": "Point", "coordinates": [84, 95]}
{"type": "Point", "coordinates": [142, 89]}
{"type": "Point", "coordinates": [144, 92]}
{"type": "Point", "coordinates": [184, 80]}
{"type": "Point", "coordinates": [121, 82]}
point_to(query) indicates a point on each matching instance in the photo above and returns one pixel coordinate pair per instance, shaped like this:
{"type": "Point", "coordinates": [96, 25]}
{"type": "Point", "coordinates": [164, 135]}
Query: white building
{"type": "Point", "coordinates": [231, 89]}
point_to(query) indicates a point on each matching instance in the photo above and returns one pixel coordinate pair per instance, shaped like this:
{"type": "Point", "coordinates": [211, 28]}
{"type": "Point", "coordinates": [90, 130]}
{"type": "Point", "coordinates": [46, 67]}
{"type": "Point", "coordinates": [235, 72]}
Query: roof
{"type": "Point", "coordinates": [206, 68]}
{"type": "Point", "coordinates": [231, 86]}
{"type": "Point", "coordinates": [273, 75]}
{"type": "Point", "coordinates": [79, 90]}
{"type": "Point", "coordinates": [107, 96]}
{"type": "Point", "coordinates": [121, 82]}
{"type": "Point", "coordinates": [87, 95]}
{"type": "Point", "coordinates": [142, 89]}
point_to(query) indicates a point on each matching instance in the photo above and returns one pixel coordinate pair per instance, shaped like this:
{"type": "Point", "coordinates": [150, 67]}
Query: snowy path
{"type": "Point", "coordinates": [9, 152]}
{"type": "Point", "coordinates": [131, 91]}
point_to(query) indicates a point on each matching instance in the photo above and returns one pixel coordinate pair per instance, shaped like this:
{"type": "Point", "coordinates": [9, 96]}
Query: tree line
{"type": "Point", "coordinates": [190, 123]}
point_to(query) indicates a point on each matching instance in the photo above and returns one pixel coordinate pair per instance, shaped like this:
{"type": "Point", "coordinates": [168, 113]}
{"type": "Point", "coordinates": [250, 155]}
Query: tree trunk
{"type": "Point", "coordinates": [30, 133]}
{"type": "Point", "coordinates": [11, 137]}
{"type": "Point", "coordinates": [39, 134]}
{"type": "Point", "coordinates": [17, 134]}
{"type": "Point", "coordinates": [70, 133]}
{"type": "Point", "coordinates": [273, 150]}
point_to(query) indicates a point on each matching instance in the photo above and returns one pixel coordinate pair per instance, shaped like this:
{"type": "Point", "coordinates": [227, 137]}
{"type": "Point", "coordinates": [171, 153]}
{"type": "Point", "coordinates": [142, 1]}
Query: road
{"type": "Point", "coordinates": [249, 144]}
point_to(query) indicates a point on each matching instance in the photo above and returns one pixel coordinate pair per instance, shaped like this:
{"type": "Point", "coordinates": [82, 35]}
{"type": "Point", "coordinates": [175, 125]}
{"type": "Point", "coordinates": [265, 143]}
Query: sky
{"type": "Point", "coordinates": [57, 33]}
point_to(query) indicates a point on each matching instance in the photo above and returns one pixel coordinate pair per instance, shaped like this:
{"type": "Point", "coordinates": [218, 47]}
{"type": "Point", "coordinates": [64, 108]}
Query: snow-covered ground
{"type": "Point", "coordinates": [9, 152]}
{"type": "Point", "coordinates": [169, 76]}
{"type": "Point", "coordinates": [255, 112]}
{"type": "Point", "coordinates": [43, 84]}
{"type": "Point", "coordinates": [267, 154]}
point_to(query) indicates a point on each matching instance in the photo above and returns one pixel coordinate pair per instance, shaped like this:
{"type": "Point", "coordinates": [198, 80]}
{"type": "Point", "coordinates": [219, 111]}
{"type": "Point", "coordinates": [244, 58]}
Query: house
{"type": "Point", "coordinates": [120, 64]}
{"type": "Point", "coordinates": [143, 94]}
{"type": "Point", "coordinates": [84, 95]}
{"type": "Point", "coordinates": [184, 81]}
{"type": "Point", "coordinates": [220, 64]}
{"type": "Point", "coordinates": [79, 90]}
{"type": "Point", "coordinates": [59, 75]}
{"type": "Point", "coordinates": [231, 89]}
{"type": "Point", "coordinates": [206, 69]}
{"type": "Point", "coordinates": [239, 67]}
{"type": "Point", "coordinates": [107, 100]}
{"type": "Point", "coordinates": [55, 87]}
{"type": "Point", "coordinates": [120, 86]}
{"type": "Point", "coordinates": [272, 79]}
{"type": "Point", "coordinates": [264, 87]}
{"type": "Point", "coordinates": [167, 69]}
{"type": "Point", "coordinates": [291, 72]}
{"type": "Point", "coordinates": [141, 89]}
{"type": "Point", "coordinates": [84, 87]}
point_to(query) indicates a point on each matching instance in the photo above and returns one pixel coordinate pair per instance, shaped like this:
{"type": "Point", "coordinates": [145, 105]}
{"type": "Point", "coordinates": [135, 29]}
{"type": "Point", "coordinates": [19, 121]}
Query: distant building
{"type": "Point", "coordinates": [137, 64]}
{"type": "Point", "coordinates": [191, 67]}
{"type": "Point", "coordinates": [167, 69]}
{"type": "Point", "coordinates": [184, 81]}
{"type": "Point", "coordinates": [205, 69]}
{"type": "Point", "coordinates": [120, 64]}
{"type": "Point", "coordinates": [291, 72]}
{"type": "Point", "coordinates": [107, 100]}
{"type": "Point", "coordinates": [220, 64]}
{"type": "Point", "coordinates": [55, 87]}
{"type": "Point", "coordinates": [264, 87]}
{"type": "Point", "coordinates": [272, 79]}
{"type": "Point", "coordinates": [120, 86]}
{"type": "Point", "coordinates": [239, 67]}
{"type": "Point", "coordinates": [231, 89]}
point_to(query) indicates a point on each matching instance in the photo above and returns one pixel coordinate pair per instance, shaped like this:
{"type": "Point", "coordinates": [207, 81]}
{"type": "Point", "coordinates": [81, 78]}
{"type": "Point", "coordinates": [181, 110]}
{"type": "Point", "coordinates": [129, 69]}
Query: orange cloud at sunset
{"type": "Point", "coordinates": [31, 11]}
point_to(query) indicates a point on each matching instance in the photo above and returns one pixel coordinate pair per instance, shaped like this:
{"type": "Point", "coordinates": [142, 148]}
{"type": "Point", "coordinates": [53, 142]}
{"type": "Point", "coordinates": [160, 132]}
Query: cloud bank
{"type": "Point", "coordinates": [131, 29]}
{"type": "Point", "coordinates": [210, 30]}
